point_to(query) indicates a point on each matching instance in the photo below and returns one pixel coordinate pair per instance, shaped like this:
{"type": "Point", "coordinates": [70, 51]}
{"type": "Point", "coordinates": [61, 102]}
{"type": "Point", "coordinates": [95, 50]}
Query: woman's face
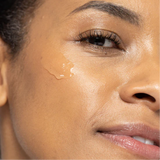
{"type": "Point", "coordinates": [87, 81]}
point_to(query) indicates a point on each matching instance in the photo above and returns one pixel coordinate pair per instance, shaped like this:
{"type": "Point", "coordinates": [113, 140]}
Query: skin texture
{"type": "Point", "coordinates": [47, 117]}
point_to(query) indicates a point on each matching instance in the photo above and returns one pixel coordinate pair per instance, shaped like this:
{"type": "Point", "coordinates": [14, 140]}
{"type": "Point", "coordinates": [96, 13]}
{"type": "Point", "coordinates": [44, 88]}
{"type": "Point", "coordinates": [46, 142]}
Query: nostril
{"type": "Point", "coordinates": [145, 96]}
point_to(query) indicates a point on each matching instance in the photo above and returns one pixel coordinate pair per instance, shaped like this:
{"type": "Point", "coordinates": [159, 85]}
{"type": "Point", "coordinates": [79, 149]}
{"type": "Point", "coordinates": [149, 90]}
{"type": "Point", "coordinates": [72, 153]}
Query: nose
{"type": "Point", "coordinates": [145, 90]}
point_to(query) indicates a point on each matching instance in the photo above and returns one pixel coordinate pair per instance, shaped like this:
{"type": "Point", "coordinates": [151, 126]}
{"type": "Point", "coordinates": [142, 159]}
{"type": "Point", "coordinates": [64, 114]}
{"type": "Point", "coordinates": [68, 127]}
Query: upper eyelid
{"type": "Point", "coordinates": [99, 30]}
{"type": "Point", "coordinates": [102, 32]}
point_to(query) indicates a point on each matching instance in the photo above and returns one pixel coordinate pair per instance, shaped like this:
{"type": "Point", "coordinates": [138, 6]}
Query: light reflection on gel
{"type": "Point", "coordinates": [58, 65]}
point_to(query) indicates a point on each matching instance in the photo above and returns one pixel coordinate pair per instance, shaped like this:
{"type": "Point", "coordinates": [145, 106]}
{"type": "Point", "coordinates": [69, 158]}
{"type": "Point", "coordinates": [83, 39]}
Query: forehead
{"type": "Point", "coordinates": [139, 6]}
{"type": "Point", "coordinates": [58, 11]}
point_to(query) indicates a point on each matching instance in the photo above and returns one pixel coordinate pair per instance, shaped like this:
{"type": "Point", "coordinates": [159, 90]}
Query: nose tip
{"type": "Point", "coordinates": [147, 95]}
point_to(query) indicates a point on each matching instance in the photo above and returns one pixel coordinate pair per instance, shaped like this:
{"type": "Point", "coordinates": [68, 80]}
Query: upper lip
{"type": "Point", "coordinates": [134, 130]}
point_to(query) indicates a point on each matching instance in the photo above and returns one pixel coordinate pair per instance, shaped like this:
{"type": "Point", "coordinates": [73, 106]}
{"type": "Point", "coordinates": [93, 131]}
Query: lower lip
{"type": "Point", "coordinates": [145, 150]}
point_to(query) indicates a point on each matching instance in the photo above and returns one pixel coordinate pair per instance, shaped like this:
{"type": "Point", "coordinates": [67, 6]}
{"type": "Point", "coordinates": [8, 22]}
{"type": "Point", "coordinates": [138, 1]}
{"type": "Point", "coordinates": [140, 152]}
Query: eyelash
{"type": "Point", "coordinates": [84, 37]}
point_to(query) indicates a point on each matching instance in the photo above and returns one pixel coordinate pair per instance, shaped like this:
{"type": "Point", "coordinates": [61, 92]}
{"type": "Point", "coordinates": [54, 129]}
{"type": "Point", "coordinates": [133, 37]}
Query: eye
{"type": "Point", "coordinates": [102, 42]}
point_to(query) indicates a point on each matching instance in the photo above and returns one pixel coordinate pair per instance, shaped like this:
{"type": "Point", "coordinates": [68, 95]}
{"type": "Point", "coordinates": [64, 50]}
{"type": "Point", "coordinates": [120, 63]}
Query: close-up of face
{"type": "Point", "coordinates": [85, 84]}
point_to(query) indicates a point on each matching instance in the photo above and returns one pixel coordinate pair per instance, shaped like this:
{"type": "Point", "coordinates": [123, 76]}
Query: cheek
{"type": "Point", "coordinates": [54, 114]}
{"type": "Point", "coordinates": [45, 111]}
{"type": "Point", "coordinates": [57, 65]}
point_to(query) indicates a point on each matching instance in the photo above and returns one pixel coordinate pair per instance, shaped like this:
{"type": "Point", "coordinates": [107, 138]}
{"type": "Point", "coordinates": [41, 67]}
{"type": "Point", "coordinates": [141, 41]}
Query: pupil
{"type": "Point", "coordinates": [97, 41]}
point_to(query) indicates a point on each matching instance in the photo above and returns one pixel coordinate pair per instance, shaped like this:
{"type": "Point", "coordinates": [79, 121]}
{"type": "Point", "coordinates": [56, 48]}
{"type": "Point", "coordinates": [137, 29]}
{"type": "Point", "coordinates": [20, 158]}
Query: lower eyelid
{"type": "Point", "coordinates": [100, 51]}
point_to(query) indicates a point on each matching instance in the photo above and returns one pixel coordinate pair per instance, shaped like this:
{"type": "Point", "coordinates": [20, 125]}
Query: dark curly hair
{"type": "Point", "coordinates": [14, 15]}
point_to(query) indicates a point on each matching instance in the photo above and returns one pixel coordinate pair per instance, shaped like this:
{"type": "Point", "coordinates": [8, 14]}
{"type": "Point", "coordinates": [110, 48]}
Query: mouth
{"type": "Point", "coordinates": [139, 139]}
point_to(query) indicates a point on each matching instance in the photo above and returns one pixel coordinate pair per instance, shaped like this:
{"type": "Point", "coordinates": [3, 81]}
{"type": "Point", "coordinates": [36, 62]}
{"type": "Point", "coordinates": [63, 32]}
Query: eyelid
{"type": "Point", "coordinates": [81, 38]}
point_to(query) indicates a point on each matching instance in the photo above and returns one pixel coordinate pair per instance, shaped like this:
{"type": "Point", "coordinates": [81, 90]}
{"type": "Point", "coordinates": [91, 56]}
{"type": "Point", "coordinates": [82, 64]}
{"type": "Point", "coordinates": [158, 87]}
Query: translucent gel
{"type": "Point", "coordinates": [58, 65]}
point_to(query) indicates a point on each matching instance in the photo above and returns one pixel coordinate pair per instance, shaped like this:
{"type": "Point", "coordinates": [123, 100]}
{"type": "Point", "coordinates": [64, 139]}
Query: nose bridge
{"type": "Point", "coordinates": [143, 85]}
{"type": "Point", "coordinates": [149, 63]}
{"type": "Point", "coordinates": [147, 71]}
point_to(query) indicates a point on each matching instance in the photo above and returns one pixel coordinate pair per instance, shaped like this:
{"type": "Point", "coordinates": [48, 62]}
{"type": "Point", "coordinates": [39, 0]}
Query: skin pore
{"type": "Point", "coordinates": [61, 89]}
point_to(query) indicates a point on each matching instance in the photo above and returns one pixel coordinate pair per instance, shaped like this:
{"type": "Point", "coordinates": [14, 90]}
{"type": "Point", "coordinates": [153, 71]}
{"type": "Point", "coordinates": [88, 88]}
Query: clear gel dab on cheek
{"type": "Point", "coordinates": [58, 66]}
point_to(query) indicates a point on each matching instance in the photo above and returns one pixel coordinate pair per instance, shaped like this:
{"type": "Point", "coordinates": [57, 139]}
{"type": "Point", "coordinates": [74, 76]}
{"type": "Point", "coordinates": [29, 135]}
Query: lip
{"type": "Point", "coordinates": [121, 135]}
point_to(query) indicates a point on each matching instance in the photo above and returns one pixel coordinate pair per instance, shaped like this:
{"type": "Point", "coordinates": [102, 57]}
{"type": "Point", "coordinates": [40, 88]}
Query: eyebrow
{"type": "Point", "coordinates": [112, 9]}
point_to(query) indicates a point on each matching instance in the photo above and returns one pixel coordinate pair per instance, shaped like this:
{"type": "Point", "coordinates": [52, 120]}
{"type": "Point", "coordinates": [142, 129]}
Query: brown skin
{"type": "Point", "coordinates": [43, 117]}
